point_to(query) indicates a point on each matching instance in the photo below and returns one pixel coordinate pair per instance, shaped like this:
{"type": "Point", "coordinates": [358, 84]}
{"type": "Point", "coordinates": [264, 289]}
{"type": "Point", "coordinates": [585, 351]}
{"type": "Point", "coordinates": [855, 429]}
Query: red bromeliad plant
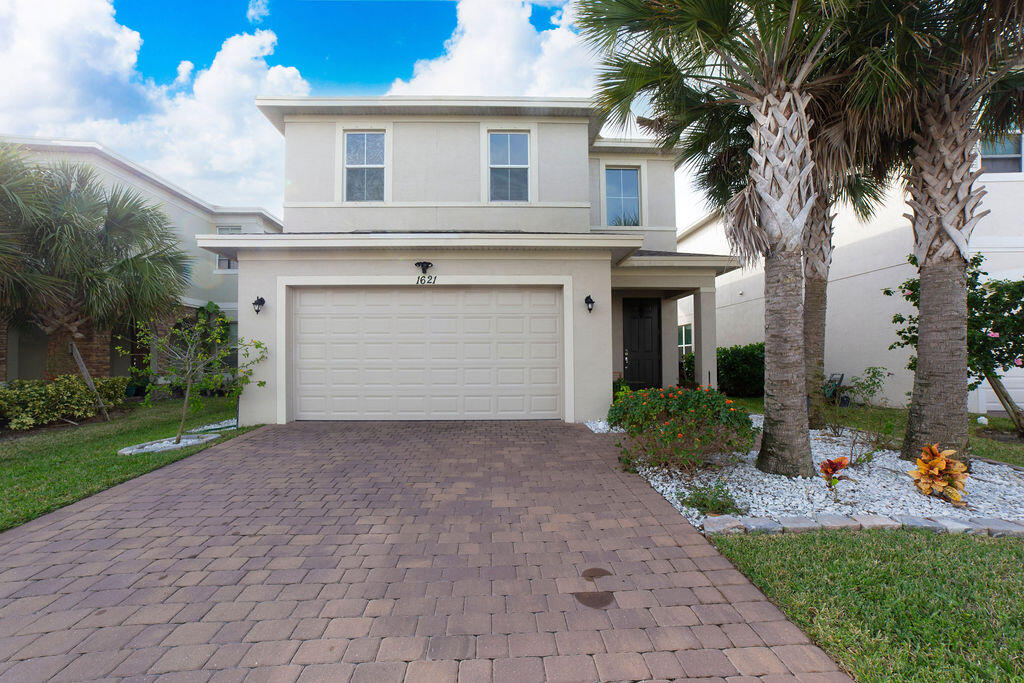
{"type": "Point", "coordinates": [830, 471]}
{"type": "Point", "coordinates": [678, 428]}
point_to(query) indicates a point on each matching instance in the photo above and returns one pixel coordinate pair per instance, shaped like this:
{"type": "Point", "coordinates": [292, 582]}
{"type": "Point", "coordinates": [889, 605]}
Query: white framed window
{"type": "Point", "coordinates": [622, 195]}
{"type": "Point", "coordinates": [364, 166]}
{"type": "Point", "coordinates": [509, 166]}
{"type": "Point", "coordinates": [685, 339]}
{"type": "Point", "coordinates": [223, 262]}
{"type": "Point", "coordinates": [1002, 155]}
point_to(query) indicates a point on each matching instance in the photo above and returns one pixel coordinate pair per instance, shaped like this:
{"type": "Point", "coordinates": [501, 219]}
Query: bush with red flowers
{"type": "Point", "coordinates": [678, 428]}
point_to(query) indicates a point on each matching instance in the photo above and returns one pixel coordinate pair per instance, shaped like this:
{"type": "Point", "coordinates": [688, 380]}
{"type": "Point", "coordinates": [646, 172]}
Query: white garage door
{"type": "Point", "coordinates": [407, 353]}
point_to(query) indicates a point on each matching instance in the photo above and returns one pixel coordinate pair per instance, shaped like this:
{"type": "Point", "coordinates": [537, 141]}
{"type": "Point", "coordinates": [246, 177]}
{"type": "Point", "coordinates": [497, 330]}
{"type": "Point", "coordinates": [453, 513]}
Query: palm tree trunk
{"type": "Point", "coordinates": [780, 174]}
{"type": "Point", "coordinates": [73, 348]}
{"type": "Point", "coordinates": [938, 406]}
{"type": "Point", "coordinates": [817, 261]}
{"type": "Point", "coordinates": [945, 203]}
{"type": "Point", "coordinates": [815, 305]}
{"type": "Point", "coordinates": [1011, 408]}
{"type": "Point", "coordinates": [184, 412]}
{"type": "Point", "coordinates": [785, 442]}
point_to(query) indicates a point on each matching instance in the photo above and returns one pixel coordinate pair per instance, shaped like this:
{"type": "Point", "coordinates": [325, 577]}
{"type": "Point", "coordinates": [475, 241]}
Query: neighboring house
{"type": "Point", "coordinates": [868, 257]}
{"type": "Point", "coordinates": [464, 258]}
{"type": "Point", "coordinates": [29, 354]}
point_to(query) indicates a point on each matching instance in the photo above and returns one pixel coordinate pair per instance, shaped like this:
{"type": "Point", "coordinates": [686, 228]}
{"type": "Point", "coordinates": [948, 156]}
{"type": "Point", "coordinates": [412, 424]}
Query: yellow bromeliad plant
{"type": "Point", "coordinates": [937, 474]}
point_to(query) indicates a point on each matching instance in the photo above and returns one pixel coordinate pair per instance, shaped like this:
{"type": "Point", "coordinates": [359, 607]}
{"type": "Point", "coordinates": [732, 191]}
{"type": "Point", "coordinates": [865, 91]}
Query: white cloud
{"type": "Point", "coordinates": [495, 50]}
{"type": "Point", "coordinates": [70, 71]}
{"type": "Point", "coordinates": [257, 10]}
{"type": "Point", "coordinates": [185, 68]}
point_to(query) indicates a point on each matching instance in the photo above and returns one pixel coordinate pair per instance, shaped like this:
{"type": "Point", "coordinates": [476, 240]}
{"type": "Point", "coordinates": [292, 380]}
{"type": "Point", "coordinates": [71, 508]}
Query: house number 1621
{"type": "Point", "coordinates": [426, 280]}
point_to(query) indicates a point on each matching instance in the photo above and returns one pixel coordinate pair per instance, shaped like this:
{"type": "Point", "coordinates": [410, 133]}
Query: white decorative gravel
{"type": "Point", "coordinates": [881, 487]}
{"type": "Point", "coordinates": [162, 445]}
{"type": "Point", "coordinates": [231, 423]}
{"type": "Point", "coordinates": [601, 427]}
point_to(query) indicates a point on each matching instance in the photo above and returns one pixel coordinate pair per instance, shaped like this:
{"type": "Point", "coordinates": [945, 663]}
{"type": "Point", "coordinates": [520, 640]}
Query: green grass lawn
{"type": "Point", "coordinates": [894, 421]}
{"type": "Point", "coordinates": [897, 605]}
{"type": "Point", "coordinates": [51, 468]}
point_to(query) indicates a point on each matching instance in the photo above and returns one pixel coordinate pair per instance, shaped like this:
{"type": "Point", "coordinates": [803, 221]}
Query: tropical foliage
{"type": "Point", "coordinates": [938, 474]}
{"type": "Point", "coordinates": [84, 257]}
{"type": "Point", "coordinates": [678, 428]}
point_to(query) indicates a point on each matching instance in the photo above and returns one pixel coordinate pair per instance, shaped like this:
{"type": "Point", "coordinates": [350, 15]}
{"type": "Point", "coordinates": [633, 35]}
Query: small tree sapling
{"type": "Point", "coordinates": [193, 358]}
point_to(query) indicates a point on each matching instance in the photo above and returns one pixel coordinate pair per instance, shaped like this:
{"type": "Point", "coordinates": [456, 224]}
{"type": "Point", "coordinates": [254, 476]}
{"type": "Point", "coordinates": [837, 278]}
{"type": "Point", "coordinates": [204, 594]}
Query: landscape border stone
{"type": "Point", "coordinates": [981, 526]}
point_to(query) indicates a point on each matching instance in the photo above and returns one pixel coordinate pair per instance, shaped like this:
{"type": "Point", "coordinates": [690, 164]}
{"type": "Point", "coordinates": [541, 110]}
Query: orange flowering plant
{"type": "Point", "coordinates": [937, 474]}
{"type": "Point", "coordinates": [678, 428]}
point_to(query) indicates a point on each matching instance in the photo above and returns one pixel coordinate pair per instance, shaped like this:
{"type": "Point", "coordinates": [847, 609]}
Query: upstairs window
{"type": "Point", "coordinates": [510, 167]}
{"type": "Point", "coordinates": [622, 194]}
{"type": "Point", "coordinates": [1001, 155]}
{"type": "Point", "coordinates": [364, 167]}
{"type": "Point", "coordinates": [223, 262]}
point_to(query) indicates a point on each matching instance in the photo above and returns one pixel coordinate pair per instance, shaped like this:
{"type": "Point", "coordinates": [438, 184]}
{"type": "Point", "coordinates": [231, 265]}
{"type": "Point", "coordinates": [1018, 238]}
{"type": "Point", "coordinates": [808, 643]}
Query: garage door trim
{"type": "Point", "coordinates": [283, 315]}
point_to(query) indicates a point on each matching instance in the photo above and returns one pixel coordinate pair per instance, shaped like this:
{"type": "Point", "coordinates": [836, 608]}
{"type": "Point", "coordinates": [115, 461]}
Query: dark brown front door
{"type": "Point", "coordinates": [641, 342]}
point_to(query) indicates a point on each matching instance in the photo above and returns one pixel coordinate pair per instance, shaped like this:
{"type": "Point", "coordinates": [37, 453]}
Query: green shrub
{"type": "Point", "coordinates": [740, 370]}
{"type": "Point", "coordinates": [713, 499]}
{"type": "Point", "coordinates": [37, 402]}
{"type": "Point", "coordinates": [678, 428]}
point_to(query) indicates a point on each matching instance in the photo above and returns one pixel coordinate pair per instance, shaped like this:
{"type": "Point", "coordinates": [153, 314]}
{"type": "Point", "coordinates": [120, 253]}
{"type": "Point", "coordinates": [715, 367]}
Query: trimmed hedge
{"type": "Point", "coordinates": [27, 403]}
{"type": "Point", "coordinates": [740, 370]}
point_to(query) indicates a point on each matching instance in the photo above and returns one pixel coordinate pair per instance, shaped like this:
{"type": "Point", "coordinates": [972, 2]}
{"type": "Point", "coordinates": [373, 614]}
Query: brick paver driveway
{"type": "Point", "coordinates": [379, 551]}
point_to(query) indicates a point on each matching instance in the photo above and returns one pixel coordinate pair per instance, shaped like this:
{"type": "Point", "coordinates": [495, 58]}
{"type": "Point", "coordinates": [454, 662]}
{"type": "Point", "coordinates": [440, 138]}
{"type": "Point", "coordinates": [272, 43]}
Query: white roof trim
{"type": "Point", "coordinates": [90, 147]}
{"type": "Point", "coordinates": [435, 240]}
{"type": "Point", "coordinates": [697, 225]}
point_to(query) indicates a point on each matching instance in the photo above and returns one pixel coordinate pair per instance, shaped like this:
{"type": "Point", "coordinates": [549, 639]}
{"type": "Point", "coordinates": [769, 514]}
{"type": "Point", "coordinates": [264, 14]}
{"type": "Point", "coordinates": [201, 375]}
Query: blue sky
{"type": "Point", "coordinates": [340, 46]}
{"type": "Point", "coordinates": [171, 85]}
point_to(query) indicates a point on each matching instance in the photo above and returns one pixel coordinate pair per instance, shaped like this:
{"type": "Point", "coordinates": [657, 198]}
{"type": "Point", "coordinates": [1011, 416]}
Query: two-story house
{"type": "Point", "coordinates": [27, 353]}
{"type": "Point", "coordinates": [464, 258]}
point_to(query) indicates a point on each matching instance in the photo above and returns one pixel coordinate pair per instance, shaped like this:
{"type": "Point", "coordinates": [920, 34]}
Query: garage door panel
{"type": "Point", "coordinates": [427, 353]}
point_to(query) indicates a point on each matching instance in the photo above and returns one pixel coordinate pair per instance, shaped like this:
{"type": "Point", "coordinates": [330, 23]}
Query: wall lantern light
{"type": "Point", "coordinates": [589, 301]}
{"type": "Point", "coordinates": [257, 305]}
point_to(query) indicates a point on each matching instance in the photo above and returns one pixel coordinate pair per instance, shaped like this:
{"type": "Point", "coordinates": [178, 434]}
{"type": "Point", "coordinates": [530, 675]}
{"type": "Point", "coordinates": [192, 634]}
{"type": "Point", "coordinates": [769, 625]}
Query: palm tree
{"type": "Point", "coordinates": [111, 252]}
{"type": "Point", "coordinates": [762, 57]}
{"type": "Point", "coordinates": [19, 204]}
{"type": "Point", "coordinates": [714, 140]}
{"type": "Point", "coordinates": [940, 73]}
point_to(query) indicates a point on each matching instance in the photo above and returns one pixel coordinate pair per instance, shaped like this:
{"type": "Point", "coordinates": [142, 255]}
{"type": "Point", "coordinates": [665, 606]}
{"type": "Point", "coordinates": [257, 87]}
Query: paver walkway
{"type": "Point", "coordinates": [383, 551]}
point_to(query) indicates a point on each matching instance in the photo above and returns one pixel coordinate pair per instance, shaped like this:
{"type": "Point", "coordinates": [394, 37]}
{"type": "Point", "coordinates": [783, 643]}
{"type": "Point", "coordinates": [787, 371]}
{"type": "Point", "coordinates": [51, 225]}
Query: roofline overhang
{"type": "Point", "coordinates": [620, 246]}
{"type": "Point", "coordinates": [125, 164]}
{"type": "Point", "coordinates": [277, 108]}
{"type": "Point", "coordinates": [721, 264]}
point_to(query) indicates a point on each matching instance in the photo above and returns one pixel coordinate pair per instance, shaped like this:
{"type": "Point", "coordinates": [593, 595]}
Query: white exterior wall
{"type": "Point", "coordinates": [867, 258]}
{"type": "Point", "coordinates": [436, 176]}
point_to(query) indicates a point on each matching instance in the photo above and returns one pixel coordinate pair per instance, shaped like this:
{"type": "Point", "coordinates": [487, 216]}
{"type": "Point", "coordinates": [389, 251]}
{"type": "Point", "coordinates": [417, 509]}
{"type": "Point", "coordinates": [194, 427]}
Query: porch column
{"type": "Point", "coordinates": [705, 344]}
